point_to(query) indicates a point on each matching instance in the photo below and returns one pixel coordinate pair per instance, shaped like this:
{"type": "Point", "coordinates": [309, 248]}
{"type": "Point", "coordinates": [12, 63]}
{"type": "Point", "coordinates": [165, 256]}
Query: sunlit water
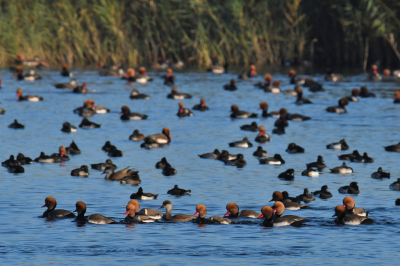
{"type": "Point", "coordinates": [27, 239]}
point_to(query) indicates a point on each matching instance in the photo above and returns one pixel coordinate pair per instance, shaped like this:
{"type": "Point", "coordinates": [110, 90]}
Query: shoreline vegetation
{"type": "Point", "coordinates": [355, 33]}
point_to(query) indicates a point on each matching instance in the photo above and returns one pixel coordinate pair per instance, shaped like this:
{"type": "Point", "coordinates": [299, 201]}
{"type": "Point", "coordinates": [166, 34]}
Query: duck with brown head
{"type": "Point", "coordinates": [51, 211]}
{"type": "Point", "coordinates": [351, 219]}
{"type": "Point", "coordinates": [264, 108]}
{"type": "Point", "coordinates": [300, 99]}
{"type": "Point", "coordinates": [354, 94]}
{"type": "Point", "coordinates": [281, 123]}
{"type": "Point", "coordinates": [30, 98]}
{"type": "Point", "coordinates": [294, 206]}
{"type": "Point", "coordinates": [268, 214]}
{"type": "Point", "coordinates": [133, 218]}
{"type": "Point", "coordinates": [178, 95]}
{"type": "Point", "coordinates": [262, 137]}
{"type": "Point", "coordinates": [183, 112]}
{"type": "Point", "coordinates": [275, 88]}
{"type": "Point", "coordinates": [93, 218]}
{"type": "Point", "coordinates": [364, 93]}
{"type": "Point", "coordinates": [61, 155]}
{"type": "Point", "coordinates": [169, 78]}
{"type": "Point", "coordinates": [64, 71]}
{"type": "Point", "coordinates": [396, 97]}
{"type": "Point", "coordinates": [201, 106]}
{"type": "Point", "coordinates": [233, 212]}
{"type": "Point", "coordinates": [153, 214]}
{"type": "Point", "coordinates": [157, 140]}
{"type": "Point", "coordinates": [351, 209]}
{"type": "Point", "coordinates": [201, 211]}
{"type": "Point", "coordinates": [167, 205]}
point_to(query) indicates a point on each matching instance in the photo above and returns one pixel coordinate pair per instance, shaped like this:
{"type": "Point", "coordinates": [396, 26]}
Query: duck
{"type": "Point", "coordinates": [130, 75]}
{"type": "Point", "coordinates": [177, 95]}
{"type": "Point", "coordinates": [167, 205]}
{"type": "Point", "coordinates": [250, 74]}
{"type": "Point", "coordinates": [10, 162]}
{"type": "Point", "coordinates": [341, 109]}
{"type": "Point", "coordinates": [133, 218]}
{"type": "Point", "coordinates": [330, 76]}
{"type": "Point", "coordinates": [73, 149]}
{"type": "Point", "coordinates": [96, 108]}
{"type": "Point", "coordinates": [364, 93]}
{"type": "Point", "coordinates": [68, 128]}
{"type": "Point", "coordinates": [43, 158]}
{"type": "Point", "coordinates": [396, 97]}
{"type": "Point", "coordinates": [115, 176]}
{"type": "Point", "coordinates": [234, 213]}
{"type": "Point", "coordinates": [176, 191]}
{"type": "Point", "coordinates": [61, 155]}
{"type": "Point", "coordinates": [287, 175]}
{"type": "Point", "coordinates": [162, 163]}
{"type": "Point", "coordinates": [151, 213]}
{"type": "Point", "coordinates": [239, 162]}
{"type": "Point", "coordinates": [253, 127]}
{"type": "Point", "coordinates": [107, 146]}
{"type": "Point", "coordinates": [260, 152]}
{"type": "Point", "coordinates": [236, 113]}
{"type": "Point", "coordinates": [127, 115]}
{"type": "Point", "coordinates": [30, 98]}
{"type": "Point", "coordinates": [201, 106]}
{"type": "Point", "coordinates": [133, 178]}
{"type": "Point", "coordinates": [264, 107]}
{"type": "Point", "coordinates": [168, 170]}
{"type": "Point", "coordinates": [114, 152]}
{"type": "Point", "coordinates": [306, 196]}
{"type": "Point", "coordinates": [281, 123]}
{"type": "Point", "coordinates": [340, 146]}
{"type": "Point", "coordinates": [2, 111]}
{"type": "Point", "coordinates": [268, 214]}
{"type": "Point", "coordinates": [310, 171]}
{"type": "Point", "coordinates": [245, 143]}
{"type": "Point", "coordinates": [291, 92]}
{"type": "Point", "coordinates": [86, 110]}
{"type": "Point", "coordinates": [275, 88]}
{"type": "Point", "coordinates": [135, 95]}
{"type": "Point", "coordinates": [86, 124]}
{"type": "Point", "coordinates": [292, 76]}
{"type": "Point", "coordinates": [136, 135]}
{"type": "Point", "coordinates": [293, 148]}
{"type": "Point", "coordinates": [374, 75]}
{"type": "Point", "coordinates": [225, 156]}
{"type": "Point", "coordinates": [323, 193]}
{"type": "Point", "coordinates": [183, 112]}
{"type": "Point", "coordinates": [24, 160]}
{"type": "Point", "coordinates": [80, 89]}
{"type": "Point", "coordinates": [52, 212]}
{"type": "Point", "coordinates": [143, 77]}
{"type": "Point", "coordinates": [343, 169]}
{"type": "Point", "coordinates": [364, 159]}
{"type": "Point", "coordinates": [102, 166]}
{"type": "Point", "coordinates": [279, 209]}
{"type": "Point", "coordinates": [82, 171]}
{"type": "Point", "coordinates": [169, 78]}
{"type": "Point", "coordinates": [395, 185]}
{"type": "Point", "coordinates": [64, 71]}
{"type": "Point", "coordinates": [315, 86]}
{"type": "Point", "coordinates": [318, 164]}
{"type": "Point", "coordinates": [297, 117]}
{"type": "Point", "coordinates": [393, 148]}
{"type": "Point", "coordinates": [300, 100]}
{"type": "Point", "coordinates": [231, 86]}
{"type": "Point", "coordinates": [380, 174]}
{"type": "Point", "coordinates": [143, 196]}
{"type": "Point", "coordinates": [277, 196]}
{"type": "Point", "coordinates": [286, 197]}
{"type": "Point", "coordinates": [211, 155]}
{"type": "Point", "coordinates": [69, 85]}
{"type": "Point", "coordinates": [342, 218]}
{"type": "Point", "coordinates": [276, 160]}
{"type": "Point", "coordinates": [32, 76]}
{"type": "Point", "coordinates": [93, 218]}
{"type": "Point", "coordinates": [349, 204]}
{"type": "Point", "coordinates": [201, 211]}
{"type": "Point", "coordinates": [262, 137]}
{"type": "Point", "coordinates": [217, 69]}
{"type": "Point", "coordinates": [16, 125]}
{"type": "Point", "coordinates": [351, 189]}
{"type": "Point", "coordinates": [350, 156]}
{"type": "Point", "coordinates": [157, 140]}
{"type": "Point", "coordinates": [266, 84]}
{"type": "Point", "coordinates": [16, 169]}
{"type": "Point", "coordinates": [354, 94]}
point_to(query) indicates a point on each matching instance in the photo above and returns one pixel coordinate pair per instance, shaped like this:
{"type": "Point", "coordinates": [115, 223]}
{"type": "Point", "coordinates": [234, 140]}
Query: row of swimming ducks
{"type": "Point", "coordinates": [346, 214]}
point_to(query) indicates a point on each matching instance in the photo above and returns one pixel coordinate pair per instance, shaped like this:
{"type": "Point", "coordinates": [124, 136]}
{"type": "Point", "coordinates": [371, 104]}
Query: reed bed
{"type": "Point", "coordinates": [353, 32]}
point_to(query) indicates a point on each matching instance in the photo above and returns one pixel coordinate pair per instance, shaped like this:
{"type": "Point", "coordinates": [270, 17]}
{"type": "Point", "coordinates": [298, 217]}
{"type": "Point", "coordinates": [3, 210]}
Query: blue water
{"type": "Point", "coordinates": [368, 125]}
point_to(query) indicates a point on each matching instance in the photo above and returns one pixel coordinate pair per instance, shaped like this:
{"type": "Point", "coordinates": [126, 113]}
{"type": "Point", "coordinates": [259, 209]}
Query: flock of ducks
{"type": "Point", "coordinates": [346, 213]}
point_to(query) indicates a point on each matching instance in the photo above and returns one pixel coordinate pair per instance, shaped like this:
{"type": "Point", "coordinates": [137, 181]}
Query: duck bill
{"type": "Point", "coordinates": [334, 215]}
{"type": "Point", "coordinates": [162, 207]}
{"type": "Point", "coordinates": [197, 213]}
{"type": "Point", "coordinates": [227, 213]}
{"type": "Point", "coordinates": [43, 206]}
{"type": "Point", "coordinates": [261, 216]}
{"type": "Point", "coordinates": [127, 212]}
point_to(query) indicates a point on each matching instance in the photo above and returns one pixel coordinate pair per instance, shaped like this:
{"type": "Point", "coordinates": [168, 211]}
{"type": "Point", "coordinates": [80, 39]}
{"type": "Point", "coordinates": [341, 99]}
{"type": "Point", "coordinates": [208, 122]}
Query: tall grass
{"type": "Point", "coordinates": [236, 31]}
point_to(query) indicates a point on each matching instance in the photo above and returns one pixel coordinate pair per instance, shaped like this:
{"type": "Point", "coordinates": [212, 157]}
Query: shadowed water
{"type": "Point", "coordinates": [26, 239]}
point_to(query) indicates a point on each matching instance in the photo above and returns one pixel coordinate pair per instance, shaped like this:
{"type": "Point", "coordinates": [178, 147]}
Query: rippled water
{"type": "Point", "coordinates": [27, 239]}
